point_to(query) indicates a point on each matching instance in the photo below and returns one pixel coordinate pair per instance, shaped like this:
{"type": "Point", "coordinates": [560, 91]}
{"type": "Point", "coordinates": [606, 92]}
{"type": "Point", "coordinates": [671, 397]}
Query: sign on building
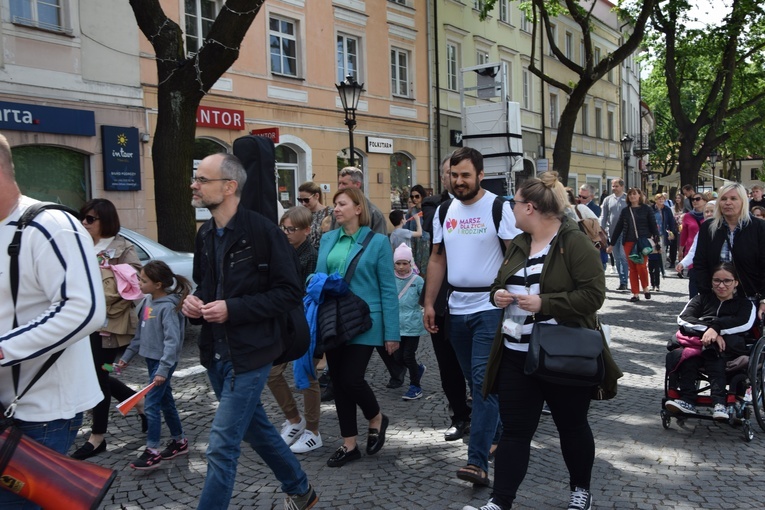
{"type": "Point", "coordinates": [122, 158]}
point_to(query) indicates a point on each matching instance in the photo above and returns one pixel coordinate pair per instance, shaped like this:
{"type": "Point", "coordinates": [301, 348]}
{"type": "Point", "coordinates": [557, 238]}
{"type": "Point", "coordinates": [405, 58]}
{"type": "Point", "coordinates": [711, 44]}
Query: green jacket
{"type": "Point", "coordinates": [572, 289]}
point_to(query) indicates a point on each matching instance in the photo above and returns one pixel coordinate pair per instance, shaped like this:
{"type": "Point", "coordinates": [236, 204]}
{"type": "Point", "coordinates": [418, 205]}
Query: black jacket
{"type": "Point", "coordinates": [644, 219]}
{"type": "Point", "coordinates": [260, 282]}
{"type": "Point", "coordinates": [748, 250]}
{"type": "Point", "coordinates": [429, 208]}
{"type": "Point", "coordinates": [732, 317]}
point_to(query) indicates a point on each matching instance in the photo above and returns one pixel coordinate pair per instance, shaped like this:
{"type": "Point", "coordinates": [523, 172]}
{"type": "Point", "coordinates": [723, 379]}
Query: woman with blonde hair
{"type": "Point", "coordinates": [551, 274]}
{"type": "Point", "coordinates": [733, 236]}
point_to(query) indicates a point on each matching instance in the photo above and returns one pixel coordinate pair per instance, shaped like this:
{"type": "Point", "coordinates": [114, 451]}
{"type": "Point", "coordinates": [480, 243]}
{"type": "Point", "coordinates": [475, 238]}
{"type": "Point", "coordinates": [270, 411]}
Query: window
{"type": "Point", "coordinates": [524, 22]}
{"type": "Point", "coordinates": [45, 14]}
{"type": "Point", "coordinates": [569, 46]}
{"type": "Point", "coordinates": [554, 110]}
{"type": "Point", "coordinates": [283, 42]}
{"type": "Point", "coordinates": [598, 122]}
{"type": "Point", "coordinates": [400, 2]}
{"type": "Point", "coordinates": [611, 75]}
{"type": "Point", "coordinates": [597, 56]}
{"type": "Point", "coordinates": [286, 170]}
{"type": "Point", "coordinates": [753, 176]}
{"type": "Point", "coordinates": [481, 57]}
{"type": "Point", "coordinates": [399, 72]}
{"type": "Point", "coordinates": [200, 16]}
{"type": "Point", "coordinates": [611, 126]}
{"type": "Point", "coordinates": [478, 4]}
{"type": "Point", "coordinates": [504, 11]}
{"type": "Point", "coordinates": [585, 113]}
{"type": "Point", "coordinates": [509, 79]}
{"type": "Point", "coordinates": [347, 57]}
{"type": "Point", "coordinates": [452, 65]}
{"type": "Point", "coordinates": [526, 89]}
{"type": "Point", "coordinates": [400, 180]}
{"type": "Point", "coordinates": [553, 38]}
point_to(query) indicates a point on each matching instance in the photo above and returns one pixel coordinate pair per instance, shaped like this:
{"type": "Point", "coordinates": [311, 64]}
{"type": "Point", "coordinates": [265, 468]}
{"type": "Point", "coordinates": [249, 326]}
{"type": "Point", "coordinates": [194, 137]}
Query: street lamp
{"type": "Point", "coordinates": [626, 150]}
{"type": "Point", "coordinates": [350, 93]}
{"type": "Point", "coordinates": [713, 162]}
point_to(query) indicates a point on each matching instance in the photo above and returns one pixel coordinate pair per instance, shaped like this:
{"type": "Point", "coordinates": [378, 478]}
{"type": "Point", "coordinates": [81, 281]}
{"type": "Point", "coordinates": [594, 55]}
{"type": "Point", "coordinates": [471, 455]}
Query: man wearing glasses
{"type": "Point", "coordinates": [586, 192]}
{"type": "Point", "coordinates": [612, 208]}
{"type": "Point", "coordinates": [242, 290]}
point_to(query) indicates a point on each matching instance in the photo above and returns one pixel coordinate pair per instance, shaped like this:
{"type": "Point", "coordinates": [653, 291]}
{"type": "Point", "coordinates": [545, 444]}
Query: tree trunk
{"type": "Point", "coordinates": [566, 126]}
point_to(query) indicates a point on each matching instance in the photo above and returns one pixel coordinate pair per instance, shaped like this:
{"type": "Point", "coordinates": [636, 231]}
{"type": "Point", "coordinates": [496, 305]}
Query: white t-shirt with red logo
{"type": "Point", "coordinates": [473, 253]}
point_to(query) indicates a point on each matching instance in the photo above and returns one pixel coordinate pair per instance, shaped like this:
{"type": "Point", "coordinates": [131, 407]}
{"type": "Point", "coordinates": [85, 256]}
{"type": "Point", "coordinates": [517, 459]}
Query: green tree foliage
{"type": "Point", "coordinates": [707, 87]}
{"type": "Point", "coordinates": [183, 80]}
{"type": "Point", "coordinates": [582, 77]}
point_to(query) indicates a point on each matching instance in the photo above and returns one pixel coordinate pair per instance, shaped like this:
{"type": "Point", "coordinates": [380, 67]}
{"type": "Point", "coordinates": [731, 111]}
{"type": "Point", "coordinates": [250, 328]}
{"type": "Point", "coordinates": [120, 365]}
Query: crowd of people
{"type": "Point", "coordinates": [537, 266]}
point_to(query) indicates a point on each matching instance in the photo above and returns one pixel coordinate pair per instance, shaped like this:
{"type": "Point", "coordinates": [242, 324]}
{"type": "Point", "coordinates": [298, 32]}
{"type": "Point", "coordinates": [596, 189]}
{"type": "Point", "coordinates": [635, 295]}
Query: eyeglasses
{"type": "Point", "coordinates": [696, 199]}
{"type": "Point", "coordinates": [727, 282]}
{"type": "Point", "coordinates": [289, 230]}
{"type": "Point", "coordinates": [583, 197]}
{"type": "Point", "coordinates": [88, 219]}
{"type": "Point", "coordinates": [304, 200]}
{"type": "Point", "coordinates": [416, 196]}
{"type": "Point", "coordinates": [513, 202]}
{"type": "Point", "coordinates": [205, 180]}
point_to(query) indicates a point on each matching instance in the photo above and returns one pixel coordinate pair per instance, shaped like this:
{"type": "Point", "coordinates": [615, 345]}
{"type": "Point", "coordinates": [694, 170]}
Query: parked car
{"type": "Point", "coordinates": [181, 263]}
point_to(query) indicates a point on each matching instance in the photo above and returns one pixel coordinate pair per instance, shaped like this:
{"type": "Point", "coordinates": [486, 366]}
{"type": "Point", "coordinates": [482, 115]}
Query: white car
{"type": "Point", "coordinates": [180, 262]}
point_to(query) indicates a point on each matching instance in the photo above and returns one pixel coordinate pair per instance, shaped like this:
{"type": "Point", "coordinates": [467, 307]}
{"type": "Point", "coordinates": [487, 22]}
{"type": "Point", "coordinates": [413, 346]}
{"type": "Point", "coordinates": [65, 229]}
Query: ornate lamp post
{"type": "Point", "coordinates": [350, 93]}
{"type": "Point", "coordinates": [713, 162]}
{"type": "Point", "coordinates": [626, 150]}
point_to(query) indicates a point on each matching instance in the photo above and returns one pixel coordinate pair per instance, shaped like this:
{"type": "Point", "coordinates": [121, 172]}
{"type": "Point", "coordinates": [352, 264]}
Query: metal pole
{"type": "Point", "coordinates": [626, 172]}
{"type": "Point", "coordinates": [351, 123]}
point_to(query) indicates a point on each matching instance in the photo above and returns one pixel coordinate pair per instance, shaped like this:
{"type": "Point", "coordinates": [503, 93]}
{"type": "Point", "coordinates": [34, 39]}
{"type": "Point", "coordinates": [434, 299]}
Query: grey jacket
{"type": "Point", "coordinates": [611, 209]}
{"type": "Point", "coordinates": [160, 333]}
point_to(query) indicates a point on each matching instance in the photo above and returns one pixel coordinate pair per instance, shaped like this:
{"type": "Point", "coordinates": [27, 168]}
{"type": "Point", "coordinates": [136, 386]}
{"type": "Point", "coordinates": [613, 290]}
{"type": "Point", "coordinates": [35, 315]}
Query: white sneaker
{"type": "Point", "coordinates": [291, 432]}
{"type": "Point", "coordinates": [491, 505]}
{"type": "Point", "coordinates": [720, 413]}
{"type": "Point", "coordinates": [307, 442]}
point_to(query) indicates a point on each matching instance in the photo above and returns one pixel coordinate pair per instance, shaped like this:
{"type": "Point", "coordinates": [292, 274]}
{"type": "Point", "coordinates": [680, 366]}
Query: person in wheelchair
{"type": "Point", "coordinates": [712, 329]}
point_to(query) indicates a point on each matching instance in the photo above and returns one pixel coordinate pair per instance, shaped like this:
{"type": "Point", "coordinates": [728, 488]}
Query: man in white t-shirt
{"type": "Point", "coordinates": [472, 241]}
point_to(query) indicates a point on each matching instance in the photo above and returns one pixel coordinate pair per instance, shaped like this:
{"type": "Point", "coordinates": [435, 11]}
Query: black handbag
{"type": "Point", "coordinates": [345, 316]}
{"type": "Point", "coordinates": [567, 355]}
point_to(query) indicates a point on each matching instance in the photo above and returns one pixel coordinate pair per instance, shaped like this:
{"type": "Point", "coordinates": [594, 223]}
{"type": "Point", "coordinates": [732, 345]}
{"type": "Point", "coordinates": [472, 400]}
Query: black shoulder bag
{"type": "Point", "coordinates": [344, 317]}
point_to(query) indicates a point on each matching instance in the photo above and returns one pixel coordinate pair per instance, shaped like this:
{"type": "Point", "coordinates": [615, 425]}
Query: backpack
{"type": "Point", "coordinates": [592, 229]}
{"type": "Point", "coordinates": [496, 215]}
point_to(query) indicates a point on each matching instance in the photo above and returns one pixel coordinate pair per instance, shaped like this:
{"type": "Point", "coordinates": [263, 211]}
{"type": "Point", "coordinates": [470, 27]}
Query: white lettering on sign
{"type": "Point", "coordinates": [208, 116]}
{"type": "Point", "coordinates": [122, 154]}
{"type": "Point", "coordinates": [17, 116]}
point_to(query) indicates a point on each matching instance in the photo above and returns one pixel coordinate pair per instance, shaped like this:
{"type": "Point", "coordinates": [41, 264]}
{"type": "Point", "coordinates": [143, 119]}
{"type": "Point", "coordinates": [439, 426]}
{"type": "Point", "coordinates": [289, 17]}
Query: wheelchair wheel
{"type": "Point", "coordinates": [665, 419]}
{"type": "Point", "coordinates": [757, 380]}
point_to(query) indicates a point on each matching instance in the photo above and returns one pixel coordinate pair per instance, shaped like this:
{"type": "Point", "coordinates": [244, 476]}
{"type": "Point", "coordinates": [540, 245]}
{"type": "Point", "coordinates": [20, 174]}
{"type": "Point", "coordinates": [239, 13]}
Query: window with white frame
{"type": "Point", "coordinates": [526, 89]}
{"type": "Point", "coordinates": [598, 122]}
{"type": "Point", "coordinates": [585, 113]}
{"type": "Point", "coordinates": [481, 57]}
{"type": "Point", "coordinates": [400, 2]}
{"type": "Point", "coordinates": [452, 65]}
{"type": "Point", "coordinates": [347, 57]}
{"type": "Point", "coordinates": [504, 11]}
{"type": "Point", "coordinates": [45, 14]}
{"type": "Point", "coordinates": [283, 43]}
{"type": "Point", "coordinates": [611, 75]}
{"type": "Point", "coordinates": [399, 72]}
{"type": "Point", "coordinates": [525, 25]}
{"type": "Point", "coordinates": [554, 37]}
{"type": "Point", "coordinates": [554, 111]}
{"type": "Point", "coordinates": [200, 16]}
{"type": "Point", "coordinates": [569, 46]}
{"type": "Point", "coordinates": [509, 77]}
{"type": "Point", "coordinates": [478, 4]}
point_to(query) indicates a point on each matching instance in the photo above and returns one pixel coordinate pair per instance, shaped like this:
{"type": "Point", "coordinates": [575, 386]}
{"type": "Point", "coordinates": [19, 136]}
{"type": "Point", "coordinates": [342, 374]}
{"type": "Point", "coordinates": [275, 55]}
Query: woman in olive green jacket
{"type": "Point", "coordinates": [551, 274]}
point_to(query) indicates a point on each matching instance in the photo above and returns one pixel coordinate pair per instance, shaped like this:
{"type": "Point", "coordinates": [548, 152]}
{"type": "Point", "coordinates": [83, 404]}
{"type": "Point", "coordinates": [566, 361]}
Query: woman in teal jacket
{"type": "Point", "coordinates": [374, 282]}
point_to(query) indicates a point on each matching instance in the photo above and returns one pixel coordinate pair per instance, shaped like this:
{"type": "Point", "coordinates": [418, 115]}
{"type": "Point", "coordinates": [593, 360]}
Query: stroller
{"type": "Point", "coordinates": [745, 378]}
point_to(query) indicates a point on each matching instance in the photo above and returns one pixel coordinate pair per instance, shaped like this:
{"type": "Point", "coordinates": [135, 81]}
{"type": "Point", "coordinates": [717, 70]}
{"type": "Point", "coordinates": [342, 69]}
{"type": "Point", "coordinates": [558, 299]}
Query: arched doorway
{"type": "Point", "coordinates": [287, 174]}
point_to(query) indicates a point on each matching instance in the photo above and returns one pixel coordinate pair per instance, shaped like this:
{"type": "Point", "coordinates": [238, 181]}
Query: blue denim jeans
{"type": "Point", "coordinates": [620, 259]}
{"type": "Point", "coordinates": [471, 336]}
{"type": "Point", "coordinates": [57, 435]}
{"type": "Point", "coordinates": [160, 399]}
{"type": "Point", "coordinates": [240, 416]}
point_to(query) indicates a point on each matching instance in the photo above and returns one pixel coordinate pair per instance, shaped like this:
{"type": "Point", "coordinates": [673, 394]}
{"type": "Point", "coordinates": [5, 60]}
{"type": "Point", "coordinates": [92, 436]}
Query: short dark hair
{"type": "Point", "coordinates": [395, 217]}
{"type": "Point", "coordinates": [688, 187]}
{"type": "Point", "coordinates": [418, 188]}
{"type": "Point", "coordinates": [106, 213]}
{"type": "Point", "coordinates": [470, 153]}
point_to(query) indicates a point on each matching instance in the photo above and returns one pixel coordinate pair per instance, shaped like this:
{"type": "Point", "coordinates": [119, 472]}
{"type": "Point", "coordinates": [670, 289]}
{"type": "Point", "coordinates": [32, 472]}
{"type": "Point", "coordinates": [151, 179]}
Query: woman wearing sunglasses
{"type": "Point", "coordinates": [100, 219]}
{"type": "Point", "coordinates": [692, 221]}
{"type": "Point", "coordinates": [420, 245]}
{"type": "Point", "coordinates": [310, 196]}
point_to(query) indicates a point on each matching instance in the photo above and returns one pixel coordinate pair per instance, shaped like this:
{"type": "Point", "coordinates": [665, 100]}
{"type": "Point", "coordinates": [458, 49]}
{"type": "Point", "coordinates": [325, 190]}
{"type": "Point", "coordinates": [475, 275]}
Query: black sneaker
{"type": "Point", "coordinates": [301, 501]}
{"type": "Point", "coordinates": [621, 287]}
{"type": "Point", "coordinates": [174, 449]}
{"type": "Point", "coordinates": [147, 461]}
{"type": "Point", "coordinates": [581, 499]}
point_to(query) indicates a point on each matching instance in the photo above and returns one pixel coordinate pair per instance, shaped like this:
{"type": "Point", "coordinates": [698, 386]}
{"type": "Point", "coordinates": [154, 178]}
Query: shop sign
{"type": "Point", "coordinates": [122, 158]}
{"type": "Point", "coordinates": [46, 119]}
{"type": "Point", "coordinates": [271, 133]}
{"type": "Point", "coordinates": [380, 145]}
{"type": "Point", "coordinates": [220, 118]}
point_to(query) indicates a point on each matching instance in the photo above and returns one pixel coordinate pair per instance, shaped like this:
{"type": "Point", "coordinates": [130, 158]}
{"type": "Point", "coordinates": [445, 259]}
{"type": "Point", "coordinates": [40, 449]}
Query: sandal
{"type": "Point", "coordinates": [473, 474]}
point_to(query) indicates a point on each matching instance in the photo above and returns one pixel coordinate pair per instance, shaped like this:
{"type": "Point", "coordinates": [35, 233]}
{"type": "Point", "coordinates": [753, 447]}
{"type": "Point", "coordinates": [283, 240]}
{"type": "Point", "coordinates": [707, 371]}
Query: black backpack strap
{"type": "Point", "coordinates": [443, 209]}
{"type": "Point", "coordinates": [496, 214]}
{"type": "Point", "coordinates": [13, 252]}
{"type": "Point", "coordinates": [355, 261]}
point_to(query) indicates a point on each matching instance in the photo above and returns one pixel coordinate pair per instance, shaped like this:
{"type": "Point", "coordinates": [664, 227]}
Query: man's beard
{"type": "Point", "coordinates": [464, 195]}
{"type": "Point", "coordinates": [200, 203]}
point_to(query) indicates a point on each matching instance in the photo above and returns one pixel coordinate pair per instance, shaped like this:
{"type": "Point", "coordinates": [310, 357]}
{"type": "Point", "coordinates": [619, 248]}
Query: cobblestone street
{"type": "Point", "coordinates": [638, 464]}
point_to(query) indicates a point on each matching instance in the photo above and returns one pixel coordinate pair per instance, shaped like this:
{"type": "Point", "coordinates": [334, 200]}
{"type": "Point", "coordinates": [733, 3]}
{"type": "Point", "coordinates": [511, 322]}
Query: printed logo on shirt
{"type": "Point", "coordinates": [147, 310]}
{"type": "Point", "coordinates": [468, 226]}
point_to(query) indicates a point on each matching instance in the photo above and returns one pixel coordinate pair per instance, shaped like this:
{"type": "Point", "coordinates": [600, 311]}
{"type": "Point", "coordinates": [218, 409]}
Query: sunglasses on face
{"type": "Point", "coordinates": [696, 199]}
{"type": "Point", "coordinates": [416, 196]}
{"type": "Point", "coordinates": [89, 220]}
{"type": "Point", "coordinates": [583, 197]}
{"type": "Point", "coordinates": [304, 200]}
